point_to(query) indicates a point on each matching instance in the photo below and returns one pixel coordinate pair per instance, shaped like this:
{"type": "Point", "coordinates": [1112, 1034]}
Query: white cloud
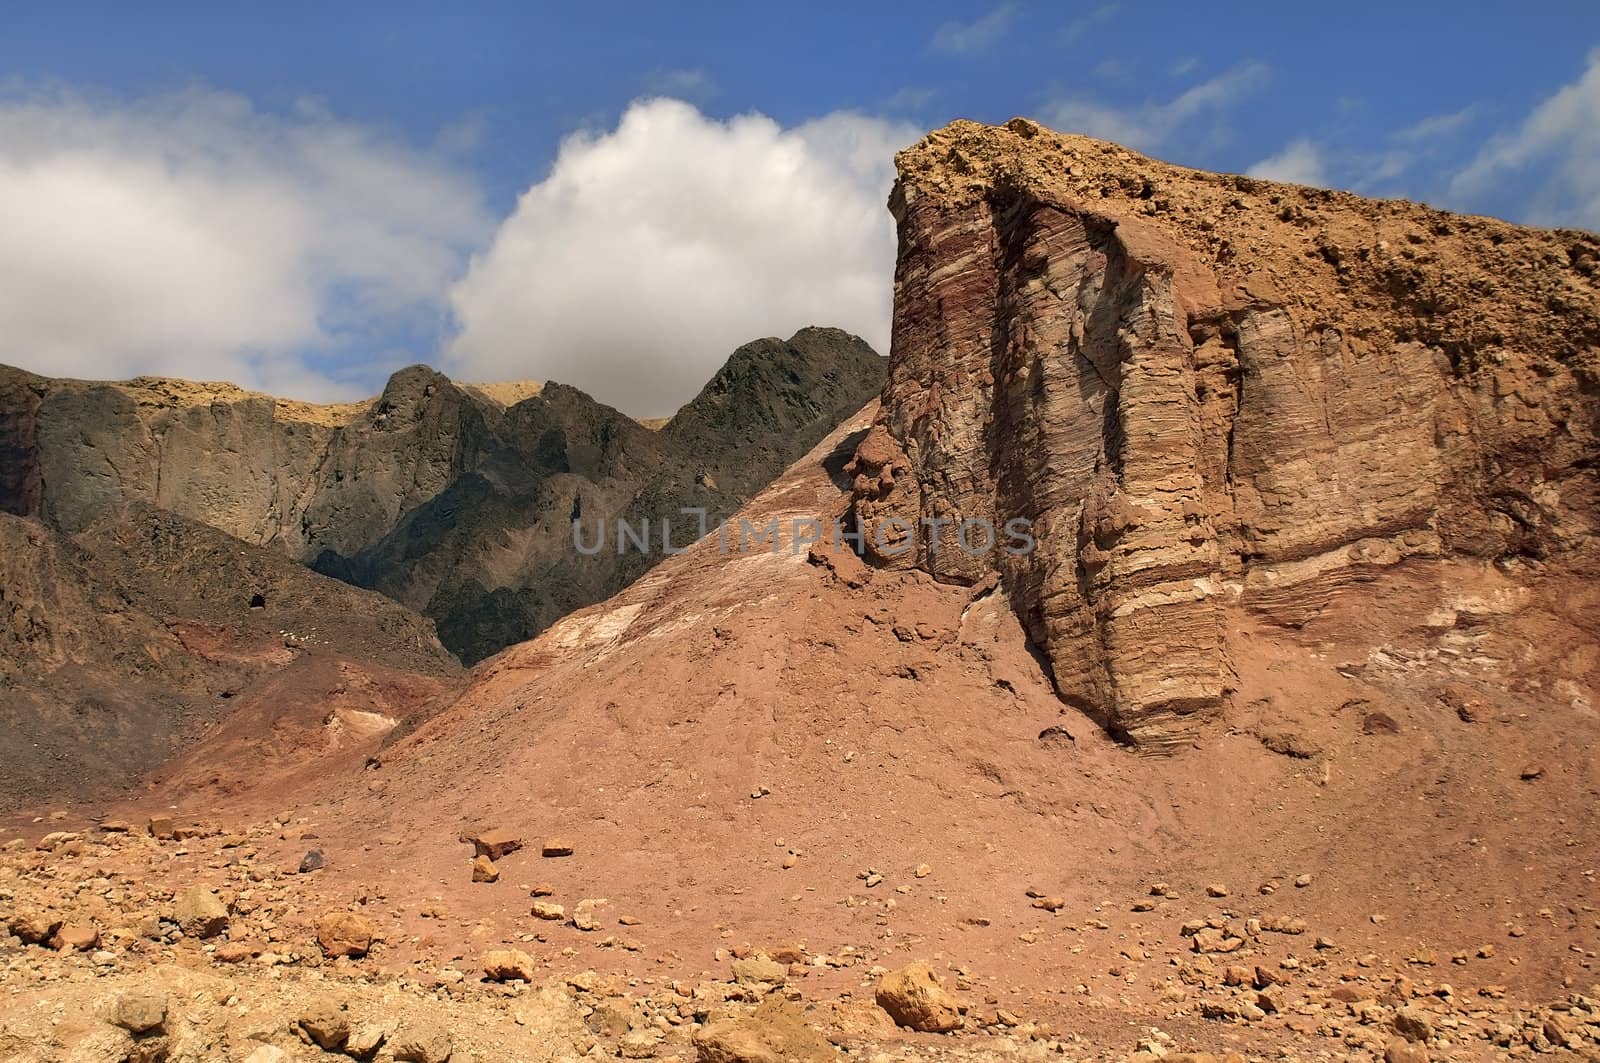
{"type": "Point", "coordinates": [968, 38]}
{"type": "Point", "coordinates": [190, 234]}
{"type": "Point", "coordinates": [1554, 152]}
{"type": "Point", "coordinates": [1089, 20]}
{"type": "Point", "coordinates": [1150, 125]}
{"type": "Point", "coordinates": [1436, 127]}
{"type": "Point", "coordinates": [1301, 163]}
{"type": "Point", "coordinates": [652, 251]}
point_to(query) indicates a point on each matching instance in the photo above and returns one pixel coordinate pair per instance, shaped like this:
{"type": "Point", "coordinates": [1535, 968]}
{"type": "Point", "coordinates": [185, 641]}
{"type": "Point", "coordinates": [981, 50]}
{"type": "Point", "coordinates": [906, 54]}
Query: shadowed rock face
{"type": "Point", "coordinates": [1205, 389]}
{"type": "Point", "coordinates": [124, 644]}
{"type": "Point", "coordinates": [455, 500]}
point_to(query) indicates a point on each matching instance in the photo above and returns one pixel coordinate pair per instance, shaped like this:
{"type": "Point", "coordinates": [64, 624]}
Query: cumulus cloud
{"type": "Point", "coordinates": [1554, 152]}
{"type": "Point", "coordinates": [653, 250]}
{"type": "Point", "coordinates": [1149, 126]}
{"type": "Point", "coordinates": [191, 234]}
{"type": "Point", "coordinates": [1301, 163]}
{"type": "Point", "coordinates": [969, 38]}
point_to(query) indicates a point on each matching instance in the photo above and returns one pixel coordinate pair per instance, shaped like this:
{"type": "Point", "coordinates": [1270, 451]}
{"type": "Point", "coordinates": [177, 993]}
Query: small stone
{"type": "Point", "coordinates": [1302, 881]}
{"type": "Point", "coordinates": [1532, 772]}
{"type": "Point", "coordinates": [549, 910]}
{"type": "Point", "coordinates": [140, 1011]}
{"type": "Point", "coordinates": [483, 870]}
{"type": "Point", "coordinates": [557, 847]}
{"type": "Point", "coordinates": [583, 915]}
{"type": "Point", "coordinates": [494, 844]}
{"type": "Point", "coordinates": [312, 861]}
{"type": "Point", "coordinates": [790, 860]}
{"type": "Point", "coordinates": [505, 965]}
{"type": "Point", "coordinates": [1159, 889]}
{"type": "Point", "coordinates": [1049, 904]}
{"type": "Point", "coordinates": [1485, 952]}
{"type": "Point", "coordinates": [915, 998]}
{"type": "Point", "coordinates": [923, 871]}
{"type": "Point", "coordinates": [543, 889]}
{"type": "Point", "coordinates": [1216, 889]}
{"type": "Point", "coordinates": [161, 827]}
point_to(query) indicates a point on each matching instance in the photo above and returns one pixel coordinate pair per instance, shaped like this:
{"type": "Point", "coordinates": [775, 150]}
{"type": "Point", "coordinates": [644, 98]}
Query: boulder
{"type": "Point", "coordinates": [774, 1033]}
{"type": "Point", "coordinates": [200, 913]}
{"type": "Point", "coordinates": [915, 998]}
{"type": "Point", "coordinates": [140, 1011]}
{"type": "Point", "coordinates": [342, 933]}
{"type": "Point", "coordinates": [419, 1041]}
{"type": "Point", "coordinates": [326, 1023]}
{"type": "Point", "coordinates": [505, 965]}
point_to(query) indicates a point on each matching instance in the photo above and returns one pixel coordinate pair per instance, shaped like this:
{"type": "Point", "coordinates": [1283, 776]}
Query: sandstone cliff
{"type": "Point", "coordinates": [1210, 391]}
{"type": "Point", "coordinates": [455, 500]}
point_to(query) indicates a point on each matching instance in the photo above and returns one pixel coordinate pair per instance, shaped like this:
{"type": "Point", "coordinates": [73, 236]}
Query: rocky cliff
{"type": "Point", "coordinates": [128, 642]}
{"type": "Point", "coordinates": [1209, 392]}
{"type": "Point", "coordinates": [455, 500]}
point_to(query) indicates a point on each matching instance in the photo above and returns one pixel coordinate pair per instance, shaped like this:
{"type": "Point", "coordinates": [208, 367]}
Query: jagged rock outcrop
{"type": "Point", "coordinates": [1208, 391]}
{"type": "Point", "coordinates": [456, 500]}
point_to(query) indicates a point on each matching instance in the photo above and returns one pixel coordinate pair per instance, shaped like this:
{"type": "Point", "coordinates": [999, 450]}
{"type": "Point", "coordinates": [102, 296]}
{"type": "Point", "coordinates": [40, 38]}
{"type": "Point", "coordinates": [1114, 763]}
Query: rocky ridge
{"type": "Point", "coordinates": [455, 500]}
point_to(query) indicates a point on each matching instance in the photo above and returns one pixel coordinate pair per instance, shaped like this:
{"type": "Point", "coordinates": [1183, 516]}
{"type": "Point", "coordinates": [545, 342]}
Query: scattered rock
{"type": "Point", "coordinates": [140, 1011]}
{"type": "Point", "coordinates": [200, 913]}
{"type": "Point", "coordinates": [312, 861]}
{"type": "Point", "coordinates": [505, 965]}
{"type": "Point", "coordinates": [483, 870]}
{"type": "Point", "coordinates": [774, 1033]}
{"type": "Point", "coordinates": [365, 1040]}
{"type": "Point", "coordinates": [549, 910]}
{"type": "Point", "coordinates": [1399, 1050]}
{"type": "Point", "coordinates": [557, 847]}
{"type": "Point", "coordinates": [1216, 889]}
{"type": "Point", "coordinates": [76, 937]}
{"type": "Point", "coordinates": [342, 933]}
{"type": "Point", "coordinates": [421, 1042]}
{"type": "Point", "coordinates": [915, 998]}
{"type": "Point", "coordinates": [494, 844]}
{"type": "Point", "coordinates": [325, 1022]}
{"type": "Point", "coordinates": [758, 969]}
{"type": "Point", "coordinates": [1413, 1024]}
{"type": "Point", "coordinates": [34, 928]}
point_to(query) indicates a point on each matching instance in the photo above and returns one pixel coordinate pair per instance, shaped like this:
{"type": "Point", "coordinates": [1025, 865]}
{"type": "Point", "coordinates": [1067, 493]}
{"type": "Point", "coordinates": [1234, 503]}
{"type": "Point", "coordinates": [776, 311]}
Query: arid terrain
{"type": "Point", "coordinates": [1279, 744]}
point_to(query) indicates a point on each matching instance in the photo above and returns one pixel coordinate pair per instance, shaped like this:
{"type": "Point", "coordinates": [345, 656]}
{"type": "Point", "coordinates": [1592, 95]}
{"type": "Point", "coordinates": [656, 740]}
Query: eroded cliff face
{"type": "Point", "coordinates": [1209, 392]}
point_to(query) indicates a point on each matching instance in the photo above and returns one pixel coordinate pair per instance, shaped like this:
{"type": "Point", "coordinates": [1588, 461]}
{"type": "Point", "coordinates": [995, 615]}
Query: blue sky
{"type": "Point", "coordinates": [377, 153]}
